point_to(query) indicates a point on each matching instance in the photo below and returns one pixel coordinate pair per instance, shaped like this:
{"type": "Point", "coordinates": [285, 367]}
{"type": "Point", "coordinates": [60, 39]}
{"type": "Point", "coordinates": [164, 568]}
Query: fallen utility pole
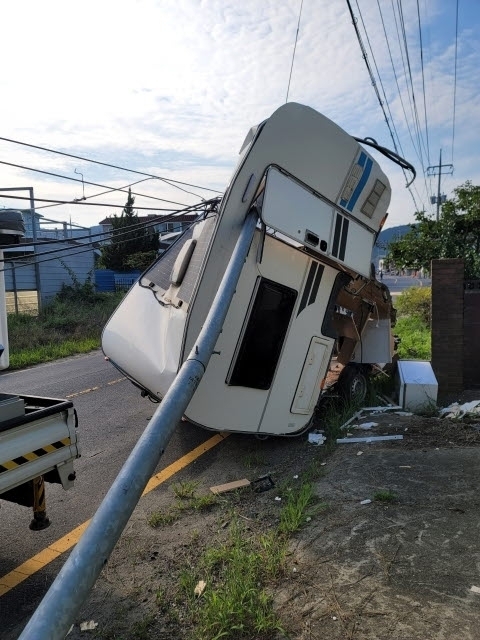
{"type": "Point", "coordinates": [57, 610]}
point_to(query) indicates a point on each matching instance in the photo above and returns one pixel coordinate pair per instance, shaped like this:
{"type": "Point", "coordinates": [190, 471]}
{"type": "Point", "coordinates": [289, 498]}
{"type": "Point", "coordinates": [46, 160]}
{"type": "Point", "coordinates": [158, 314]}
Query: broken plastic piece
{"type": "Point", "coordinates": [475, 589]}
{"type": "Point", "coordinates": [367, 501]}
{"type": "Point", "coordinates": [367, 425]}
{"type": "Point", "coordinates": [89, 625]}
{"type": "Point", "coordinates": [200, 588]}
{"type": "Point", "coordinates": [316, 438]}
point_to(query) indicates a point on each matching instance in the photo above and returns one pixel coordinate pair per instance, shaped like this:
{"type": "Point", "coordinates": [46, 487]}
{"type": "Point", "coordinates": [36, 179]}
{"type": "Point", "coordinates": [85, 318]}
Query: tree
{"type": "Point", "coordinates": [455, 235]}
{"type": "Point", "coordinates": [132, 245]}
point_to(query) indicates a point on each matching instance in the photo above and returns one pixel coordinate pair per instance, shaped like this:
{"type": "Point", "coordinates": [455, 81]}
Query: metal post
{"type": "Point", "coordinates": [38, 282]}
{"type": "Point", "coordinates": [14, 284]}
{"type": "Point", "coordinates": [438, 190]}
{"type": "Point", "coordinates": [53, 617]}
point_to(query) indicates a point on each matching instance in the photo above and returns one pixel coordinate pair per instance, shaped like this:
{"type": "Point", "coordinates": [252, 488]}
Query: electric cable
{"type": "Point", "coordinates": [95, 184]}
{"type": "Point", "coordinates": [455, 80]}
{"type": "Point", "coordinates": [105, 235]}
{"type": "Point", "coordinates": [294, 50]}
{"type": "Point", "coordinates": [94, 195]}
{"type": "Point", "coordinates": [81, 249]}
{"type": "Point", "coordinates": [423, 80]}
{"type": "Point", "coordinates": [93, 204]}
{"type": "Point", "coordinates": [170, 181]}
{"type": "Point", "coordinates": [384, 95]}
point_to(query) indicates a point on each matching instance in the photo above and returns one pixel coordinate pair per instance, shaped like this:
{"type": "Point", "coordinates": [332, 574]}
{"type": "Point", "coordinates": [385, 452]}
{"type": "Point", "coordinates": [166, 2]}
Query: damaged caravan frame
{"type": "Point", "coordinates": [306, 291]}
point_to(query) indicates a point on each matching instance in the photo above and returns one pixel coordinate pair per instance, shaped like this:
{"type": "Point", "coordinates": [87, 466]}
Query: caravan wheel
{"type": "Point", "coordinates": [353, 383]}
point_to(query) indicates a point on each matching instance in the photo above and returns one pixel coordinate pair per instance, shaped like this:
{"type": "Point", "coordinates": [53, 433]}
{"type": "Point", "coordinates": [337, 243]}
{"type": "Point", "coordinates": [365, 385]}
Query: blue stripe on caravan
{"type": "Point", "coordinates": [362, 182]}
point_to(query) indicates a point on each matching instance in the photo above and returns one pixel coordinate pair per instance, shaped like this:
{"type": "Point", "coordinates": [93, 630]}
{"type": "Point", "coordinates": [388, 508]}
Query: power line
{"type": "Point", "coordinates": [171, 182]}
{"type": "Point", "coordinates": [106, 234]}
{"type": "Point", "coordinates": [423, 79]}
{"type": "Point", "coordinates": [94, 204]}
{"type": "Point", "coordinates": [455, 80]}
{"type": "Point", "coordinates": [294, 49]}
{"type": "Point", "coordinates": [83, 248]}
{"type": "Point", "coordinates": [94, 184]}
{"type": "Point", "coordinates": [95, 195]}
{"type": "Point", "coordinates": [374, 84]}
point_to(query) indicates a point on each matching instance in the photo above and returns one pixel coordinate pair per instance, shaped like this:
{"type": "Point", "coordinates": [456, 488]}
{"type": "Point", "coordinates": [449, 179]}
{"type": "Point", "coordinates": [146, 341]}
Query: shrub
{"type": "Point", "coordinates": [415, 301]}
{"type": "Point", "coordinates": [415, 339]}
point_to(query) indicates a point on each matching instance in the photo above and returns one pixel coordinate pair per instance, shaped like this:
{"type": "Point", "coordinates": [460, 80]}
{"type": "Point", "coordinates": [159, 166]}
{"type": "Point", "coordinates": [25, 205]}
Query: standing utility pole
{"type": "Point", "coordinates": [438, 199]}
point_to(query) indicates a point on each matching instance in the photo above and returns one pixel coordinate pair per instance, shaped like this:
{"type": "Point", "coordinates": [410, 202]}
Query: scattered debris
{"type": "Point", "coordinates": [367, 501]}
{"type": "Point", "coordinates": [89, 625]}
{"type": "Point", "coordinates": [359, 453]}
{"type": "Point", "coordinates": [316, 437]}
{"type": "Point", "coordinates": [368, 439]}
{"type": "Point", "coordinates": [458, 411]}
{"type": "Point", "coordinates": [230, 486]}
{"type": "Point", "coordinates": [200, 588]}
{"type": "Point", "coordinates": [278, 499]}
{"type": "Point", "coordinates": [365, 425]}
{"type": "Point", "coordinates": [475, 589]}
{"type": "Point", "coordinates": [295, 477]}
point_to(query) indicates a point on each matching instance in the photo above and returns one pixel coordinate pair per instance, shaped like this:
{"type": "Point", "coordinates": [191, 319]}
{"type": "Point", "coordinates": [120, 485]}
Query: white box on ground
{"type": "Point", "coordinates": [417, 385]}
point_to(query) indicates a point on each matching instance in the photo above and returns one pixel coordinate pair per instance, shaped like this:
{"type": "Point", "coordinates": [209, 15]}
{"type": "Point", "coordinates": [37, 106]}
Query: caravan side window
{"type": "Point", "coordinates": [263, 336]}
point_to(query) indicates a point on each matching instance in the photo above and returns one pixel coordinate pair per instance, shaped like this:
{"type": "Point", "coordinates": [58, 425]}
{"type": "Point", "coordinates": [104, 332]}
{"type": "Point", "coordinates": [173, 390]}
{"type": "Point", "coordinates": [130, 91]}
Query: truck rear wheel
{"type": "Point", "coordinates": [353, 383]}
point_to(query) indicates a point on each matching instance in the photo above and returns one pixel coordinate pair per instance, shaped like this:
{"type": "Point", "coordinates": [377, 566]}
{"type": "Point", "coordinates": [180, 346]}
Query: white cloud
{"type": "Point", "coordinates": [171, 87]}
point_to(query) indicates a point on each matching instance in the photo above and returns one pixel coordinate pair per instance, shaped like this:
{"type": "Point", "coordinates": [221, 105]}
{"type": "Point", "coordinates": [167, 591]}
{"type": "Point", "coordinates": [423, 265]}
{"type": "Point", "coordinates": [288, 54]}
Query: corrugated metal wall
{"type": "Point", "coordinates": [53, 273]}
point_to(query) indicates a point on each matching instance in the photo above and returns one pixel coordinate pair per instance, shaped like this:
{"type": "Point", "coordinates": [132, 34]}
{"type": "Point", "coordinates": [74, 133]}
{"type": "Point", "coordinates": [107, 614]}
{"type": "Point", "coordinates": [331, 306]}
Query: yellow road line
{"type": "Point", "coordinates": [53, 551]}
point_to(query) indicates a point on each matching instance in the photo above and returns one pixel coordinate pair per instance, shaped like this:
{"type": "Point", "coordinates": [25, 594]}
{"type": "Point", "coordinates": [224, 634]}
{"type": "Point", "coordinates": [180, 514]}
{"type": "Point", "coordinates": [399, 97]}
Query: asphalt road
{"type": "Point", "coordinates": [397, 284]}
{"type": "Point", "coordinates": [112, 415]}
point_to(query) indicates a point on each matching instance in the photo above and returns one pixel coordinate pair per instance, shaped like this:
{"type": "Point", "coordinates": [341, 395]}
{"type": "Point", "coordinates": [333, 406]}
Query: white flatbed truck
{"type": "Point", "coordinates": [38, 436]}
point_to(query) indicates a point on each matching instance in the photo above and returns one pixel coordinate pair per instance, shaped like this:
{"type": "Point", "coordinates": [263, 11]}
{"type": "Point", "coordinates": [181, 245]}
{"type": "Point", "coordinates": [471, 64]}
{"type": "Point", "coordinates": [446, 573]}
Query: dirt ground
{"type": "Point", "coordinates": [399, 569]}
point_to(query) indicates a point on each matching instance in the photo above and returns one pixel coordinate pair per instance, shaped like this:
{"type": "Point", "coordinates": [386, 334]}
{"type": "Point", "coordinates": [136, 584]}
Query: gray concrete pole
{"type": "Point", "coordinates": [53, 617]}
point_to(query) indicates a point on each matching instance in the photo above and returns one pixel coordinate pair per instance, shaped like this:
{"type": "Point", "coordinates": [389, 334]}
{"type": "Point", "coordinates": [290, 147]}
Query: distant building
{"type": "Point", "coordinates": [173, 224]}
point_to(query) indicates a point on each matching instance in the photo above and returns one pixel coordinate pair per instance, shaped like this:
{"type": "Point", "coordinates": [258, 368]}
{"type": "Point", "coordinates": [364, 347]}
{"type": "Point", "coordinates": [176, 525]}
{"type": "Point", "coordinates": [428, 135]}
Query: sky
{"type": "Point", "coordinates": [171, 88]}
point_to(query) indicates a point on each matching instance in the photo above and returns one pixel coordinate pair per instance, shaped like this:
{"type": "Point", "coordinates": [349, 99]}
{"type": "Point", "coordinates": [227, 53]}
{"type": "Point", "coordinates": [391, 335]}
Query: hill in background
{"type": "Point", "coordinates": [386, 236]}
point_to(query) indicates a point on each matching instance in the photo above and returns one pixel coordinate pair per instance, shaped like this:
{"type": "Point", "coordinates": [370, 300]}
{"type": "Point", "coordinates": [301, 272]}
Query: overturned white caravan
{"type": "Point", "coordinates": [305, 291]}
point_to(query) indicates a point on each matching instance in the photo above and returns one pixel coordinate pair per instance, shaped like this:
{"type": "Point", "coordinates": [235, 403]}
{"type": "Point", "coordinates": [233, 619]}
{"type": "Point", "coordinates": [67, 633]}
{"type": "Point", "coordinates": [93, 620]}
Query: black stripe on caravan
{"type": "Point", "coordinates": [336, 237]}
{"type": "Point", "coordinates": [316, 284]}
{"type": "Point", "coordinates": [308, 286]}
{"type": "Point", "coordinates": [343, 242]}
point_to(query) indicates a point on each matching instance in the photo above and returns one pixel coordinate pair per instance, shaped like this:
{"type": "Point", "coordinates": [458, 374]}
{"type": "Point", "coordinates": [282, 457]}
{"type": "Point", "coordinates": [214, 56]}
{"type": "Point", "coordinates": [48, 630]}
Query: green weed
{"type": "Point", "coordinates": [294, 511]}
{"type": "Point", "coordinates": [384, 495]}
{"type": "Point", "coordinates": [185, 489]}
{"type": "Point", "coordinates": [162, 518]}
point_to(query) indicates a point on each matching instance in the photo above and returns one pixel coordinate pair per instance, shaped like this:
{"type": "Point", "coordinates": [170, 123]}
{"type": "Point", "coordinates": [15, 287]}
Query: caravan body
{"type": "Point", "coordinates": [321, 199]}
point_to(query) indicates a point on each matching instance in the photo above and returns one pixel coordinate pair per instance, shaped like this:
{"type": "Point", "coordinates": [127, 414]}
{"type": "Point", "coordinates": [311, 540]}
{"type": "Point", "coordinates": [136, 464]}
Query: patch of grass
{"type": "Point", "coordinates": [186, 489]}
{"type": "Point", "coordinates": [384, 495]}
{"type": "Point", "coordinates": [294, 511]}
{"type": "Point", "coordinates": [68, 325]}
{"type": "Point", "coordinates": [162, 518]}
{"type": "Point", "coordinates": [235, 603]}
{"type": "Point", "coordinates": [254, 459]}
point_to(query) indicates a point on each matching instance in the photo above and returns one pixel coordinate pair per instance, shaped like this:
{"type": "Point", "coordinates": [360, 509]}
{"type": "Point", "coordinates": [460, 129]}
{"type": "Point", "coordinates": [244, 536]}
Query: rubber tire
{"type": "Point", "coordinates": [353, 384]}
